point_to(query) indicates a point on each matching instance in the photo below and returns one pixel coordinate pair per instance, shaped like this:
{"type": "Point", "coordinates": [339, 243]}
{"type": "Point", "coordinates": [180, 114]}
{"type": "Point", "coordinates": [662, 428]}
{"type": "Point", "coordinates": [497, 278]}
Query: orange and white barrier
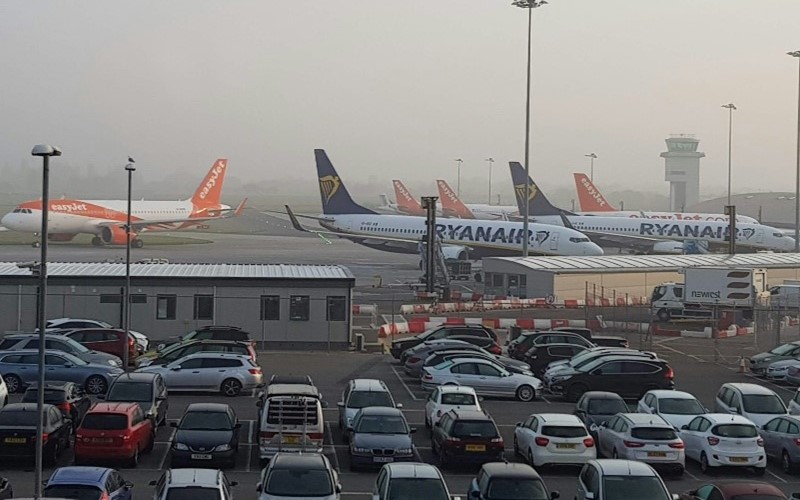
{"type": "Point", "coordinates": [359, 309]}
{"type": "Point", "coordinates": [419, 325]}
{"type": "Point", "coordinates": [516, 304]}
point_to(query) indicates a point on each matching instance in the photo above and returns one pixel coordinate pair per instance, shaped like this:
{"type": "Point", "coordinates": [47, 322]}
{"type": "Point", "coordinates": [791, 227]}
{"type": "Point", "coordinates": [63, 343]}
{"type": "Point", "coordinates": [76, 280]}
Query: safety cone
{"type": "Point", "coordinates": [742, 365]}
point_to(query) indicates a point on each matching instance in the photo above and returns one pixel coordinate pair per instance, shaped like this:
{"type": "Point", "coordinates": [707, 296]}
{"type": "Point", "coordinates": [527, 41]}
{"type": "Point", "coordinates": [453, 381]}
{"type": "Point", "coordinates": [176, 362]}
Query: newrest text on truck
{"type": "Point", "coordinates": [707, 288]}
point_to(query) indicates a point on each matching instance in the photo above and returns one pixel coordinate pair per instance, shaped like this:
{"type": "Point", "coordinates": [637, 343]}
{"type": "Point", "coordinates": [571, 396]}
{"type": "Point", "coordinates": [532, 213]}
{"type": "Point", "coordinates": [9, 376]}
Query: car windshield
{"type": "Point", "coordinates": [653, 433]}
{"type": "Point", "coordinates": [104, 421]}
{"type": "Point", "coordinates": [75, 344]}
{"type": "Point", "coordinates": [133, 392]}
{"type": "Point", "coordinates": [563, 431]}
{"type": "Point", "coordinates": [362, 399]}
{"type": "Point", "coordinates": [299, 483]}
{"type": "Point", "coordinates": [674, 406]}
{"type": "Point", "coordinates": [627, 487]}
{"type": "Point", "coordinates": [458, 399]}
{"type": "Point", "coordinates": [193, 493]}
{"type": "Point", "coordinates": [783, 350]}
{"type": "Point", "coordinates": [74, 491]}
{"type": "Point", "coordinates": [735, 431]}
{"type": "Point", "coordinates": [205, 421]}
{"type": "Point", "coordinates": [516, 489]}
{"type": "Point", "coordinates": [382, 424]}
{"type": "Point", "coordinates": [18, 418]}
{"type": "Point", "coordinates": [481, 428]}
{"type": "Point", "coordinates": [607, 406]}
{"type": "Point", "coordinates": [414, 489]}
{"type": "Point", "coordinates": [51, 397]}
{"type": "Point", "coordinates": [763, 403]}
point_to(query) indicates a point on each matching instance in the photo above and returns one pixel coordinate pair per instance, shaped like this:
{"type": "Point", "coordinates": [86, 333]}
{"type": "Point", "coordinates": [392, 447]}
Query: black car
{"type": "Point", "coordinates": [597, 407]}
{"type": "Point", "coordinates": [522, 344]}
{"type": "Point", "coordinates": [68, 397]}
{"type": "Point", "coordinates": [629, 377]}
{"type": "Point", "coordinates": [176, 351]}
{"type": "Point", "coordinates": [210, 332]}
{"type": "Point", "coordinates": [147, 389]}
{"type": "Point", "coordinates": [441, 332]}
{"type": "Point", "coordinates": [501, 480]}
{"type": "Point", "coordinates": [466, 436]}
{"type": "Point", "coordinates": [484, 343]}
{"type": "Point", "coordinates": [208, 433]}
{"type": "Point", "coordinates": [538, 357]}
{"type": "Point", "coordinates": [601, 340]}
{"type": "Point", "coordinates": [18, 432]}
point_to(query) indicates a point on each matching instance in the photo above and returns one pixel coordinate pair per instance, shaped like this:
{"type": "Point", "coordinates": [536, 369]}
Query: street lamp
{"type": "Point", "coordinates": [730, 106]}
{"type": "Point", "coordinates": [530, 5]}
{"type": "Point", "coordinates": [796, 54]}
{"type": "Point", "coordinates": [459, 161]}
{"type": "Point", "coordinates": [591, 157]}
{"type": "Point", "coordinates": [490, 161]}
{"type": "Point", "coordinates": [127, 299]}
{"type": "Point", "coordinates": [45, 151]}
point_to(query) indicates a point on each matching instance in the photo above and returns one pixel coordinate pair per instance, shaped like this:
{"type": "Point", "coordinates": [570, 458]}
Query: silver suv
{"type": "Point", "coordinates": [229, 374]}
{"type": "Point", "coordinates": [192, 480]}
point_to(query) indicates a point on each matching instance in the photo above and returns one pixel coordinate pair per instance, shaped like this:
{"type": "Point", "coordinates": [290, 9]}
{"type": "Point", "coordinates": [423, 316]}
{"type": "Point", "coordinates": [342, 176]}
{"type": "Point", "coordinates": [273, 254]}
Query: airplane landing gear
{"type": "Point", "coordinates": [97, 241]}
{"type": "Point", "coordinates": [36, 244]}
{"type": "Point", "coordinates": [137, 243]}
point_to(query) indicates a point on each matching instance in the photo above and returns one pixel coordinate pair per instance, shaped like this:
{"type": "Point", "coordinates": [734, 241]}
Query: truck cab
{"type": "Point", "coordinates": [667, 302]}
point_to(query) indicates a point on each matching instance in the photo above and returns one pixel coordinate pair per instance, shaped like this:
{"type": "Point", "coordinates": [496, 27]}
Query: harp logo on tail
{"type": "Point", "coordinates": [329, 185]}
{"type": "Point", "coordinates": [519, 189]}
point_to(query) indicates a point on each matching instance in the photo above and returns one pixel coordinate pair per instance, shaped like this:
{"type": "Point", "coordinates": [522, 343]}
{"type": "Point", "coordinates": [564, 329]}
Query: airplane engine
{"type": "Point", "coordinates": [455, 253]}
{"type": "Point", "coordinates": [114, 235]}
{"type": "Point", "coordinates": [61, 236]}
{"type": "Point", "coordinates": [668, 247]}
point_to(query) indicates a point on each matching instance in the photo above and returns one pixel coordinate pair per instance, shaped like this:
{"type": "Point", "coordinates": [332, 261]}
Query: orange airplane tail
{"type": "Point", "coordinates": [589, 197]}
{"type": "Point", "coordinates": [451, 205]}
{"type": "Point", "coordinates": [209, 192]}
{"type": "Point", "coordinates": [405, 202]}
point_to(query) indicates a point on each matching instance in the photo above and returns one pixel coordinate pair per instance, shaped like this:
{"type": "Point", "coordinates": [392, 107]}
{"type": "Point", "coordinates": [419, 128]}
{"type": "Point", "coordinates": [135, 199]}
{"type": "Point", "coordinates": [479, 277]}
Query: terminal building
{"type": "Point", "coordinates": [281, 306]}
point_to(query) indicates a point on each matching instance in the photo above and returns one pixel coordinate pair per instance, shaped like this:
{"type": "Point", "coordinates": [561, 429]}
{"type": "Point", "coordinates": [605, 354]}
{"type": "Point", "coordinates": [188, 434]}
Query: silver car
{"type": "Point", "coordinates": [486, 377]}
{"type": "Point", "coordinates": [305, 476]}
{"type": "Point", "coordinates": [642, 437]}
{"type": "Point", "coordinates": [20, 368]}
{"type": "Point", "coordinates": [229, 374]}
{"type": "Point", "coordinates": [781, 435]}
{"type": "Point", "coordinates": [760, 361]}
{"type": "Point", "coordinates": [414, 369]}
{"type": "Point", "coordinates": [18, 341]}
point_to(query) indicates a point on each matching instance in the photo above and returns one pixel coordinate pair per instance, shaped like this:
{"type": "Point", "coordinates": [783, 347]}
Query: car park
{"type": "Point", "coordinates": [114, 431]}
{"type": "Point", "coordinates": [290, 420]}
{"type": "Point", "coordinates": [146, 389]}
{"type": "Point", "coordinates": [606, 479]}
{"type": "Point", "coordinates": [21, 368]}
{"type": "Point", "coordinates": [752, 401]}
{"type": "Point", "coordinates": [75, 323]}
{"type": "Point", "coordinates": [360, 393]}
{"type": "Point", "coordinates": [109, 340]}
{"type": "Point", "coordinates": [88, 483]}
{"type": "Point", "coordinates": [642, 437]}
{"type": "Point", "coordinates": [193, 484]}
{"type": "Point", "coordinates": [68, 397]}
{"type": "Point", "coordinates": [19, 341]}
{"type": "Point", "coordinates": [410, 481]}
{"type": "Point", "coordinates": [781, 437]}
{"type": "Point", "coordinates": [177, 351]}
{"type": "Point", "coordinates": [466, 436]}
{"type": "Point", "coordinates": [736, 490]}
{"type": "Point", "coordinates": [380, 435]}
{"type": "Point", "coordinates": [486, 377]}
{"type": "Point", "coordinates": [522, 344]}
{"type": "Point", "coordinates": [308, 476]}
{"type": "Point", "coordinates": [760, 361]}
{"type": "Point", "coordinates": [676, 407]}
{"type": "Point", "coordinates": [628, 377]}
{"type": "Point", "coordinates": [553, 438]}
{"type": "Point", "coordinates": [18, 432]}
{"type": "Point", "coordinates": [228, 374]}
{"type": "Point", "coordinates": [511, 365]}
{"type": "Point", "coordinates": [207, 433]}
{"type": "Point", "coordinates": [779, 370]}
{"type": "Point", "coordinates": [724, 440]}
{"type": "Point", "coordinates": [501, 481]}
{"type": "Point", "coordinates": [594, 408]}
{"type": "Point", "coordinates": [440, 332]}
{"type": "Point", "coordinates": [538, 357]}
{"type": "Point", "coordinates": [449, 397]}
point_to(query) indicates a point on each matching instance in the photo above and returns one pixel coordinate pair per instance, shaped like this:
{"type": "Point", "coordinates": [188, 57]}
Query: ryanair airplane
{"type": "Point", "coordinates": [461, 239]}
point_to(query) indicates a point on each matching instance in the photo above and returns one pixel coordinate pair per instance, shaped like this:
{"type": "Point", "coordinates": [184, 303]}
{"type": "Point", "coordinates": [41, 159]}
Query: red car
{"type": "Point", "coordinates": [108, 340]}
{"type": "Point", "coordinates": [114, 431]}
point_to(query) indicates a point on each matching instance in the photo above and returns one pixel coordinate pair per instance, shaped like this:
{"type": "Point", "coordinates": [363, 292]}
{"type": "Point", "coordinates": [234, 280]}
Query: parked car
{"type": "Point", "coordinates": [380, 435]}
{"type": "Point", "coordinates": [211, 332]}
{"type": "Point", "coordinates": [75, 323]}
{"type": "Point", "coordinates": [501, 481]}
{"type": "Point", "coordinates": [614, 479]}
{"type": "Point", "coordinates": [449, 397]}
{"type": "Point", "coordinates": [208, 433]}
{"type": "Point", "coordinates": [21, 368]}
{"type": "Point", "coordinates": [360, 393]}
{"type": "Point", "coordinates": [721, 439]}
{"type": "Point", "coordinates": [779, 370]}
{"type": "Point", "coordinates": [188, 484]}
{"type": "Point", "coordinates": [553, 438]}
{"type": "Point", "coordinates": [781, 436]}
{"type": "Point", "coordinates": [522, 344]}
{"type": "Point", "coordinates": [291, 380]}
{"type": "Point", "coordinates": [290, 419]}
{"type": "Point", "coordinates": [794, 403]}
{"type": "Point", "coordinates": [486, 377]}
{"type": "Point", "coordinates": [628, 377]}
{"type": "Point", "coordinates": [793, 376]}
{"type": "Point", "coordinates": [538, 357]}
{"type": "Point", "coordinates": [146, 389]}
{"type": "Point", "coordinates": [182, 349]}
{"type": "Point", "coordinates": [511, 365]}
{"type": "Point", "coordinates": [676, 407]}
{"type": "Point", "coordinates": [309, 476]}
{"type": "Point", "coordinates": [68, 397]}
{"type": "Point", "coordinates": [63, 343]}
{"type": "Point", "coordinates": [642, 437]}
{"type": "Point", "coordinates": [466, 436]}
{"type": "Point", "coordinates": [752, 401]}
{"type": "Point", "coordinates": [229, 374]}
{"type": "Point", "coordinates": [440, 332]}
{"type": "Point", "coordinates": [114, 431]}
{"type": "Point", "coordinates": [599, 340]}
{"type": "Point", "coordinates": [410, 481]}
{"type": "Point", "coordinates": [3, 392]}
{"type": "Point", "coordinates": [596, 407]}
{"type": "Point", "coordinates": [108, 340]}
{"type": "Point", "coordinates": [18, 432]}
{"type": "Point", "coordinates": [760, 361]}
{"type": "Point", "coordinates": [588, 356]}
{"type": "Point", "coordinates": [736, 490]}
{"type": "Point", "coordinates": [421, 352]}
{"type": "Point", "coordinates": [86, 483]}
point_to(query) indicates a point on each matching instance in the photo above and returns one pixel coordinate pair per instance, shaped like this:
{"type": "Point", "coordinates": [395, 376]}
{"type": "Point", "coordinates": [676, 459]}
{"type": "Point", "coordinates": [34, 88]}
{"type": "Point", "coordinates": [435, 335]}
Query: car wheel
{"type": "Point", "coordinates": [704, 467]}
{"type": "Point", "coordinates": [134, 460]}
{"type": "Point", "coordinates": [663, 315]}
{"type": "Point", "coordinates": [230, 387]}
{"type": "Point", "coordinates": [526, 393]}
{"type": "Point", "coordinates": [786, 463]}
{"type": "Point", "coordinates": [575, 391]}
{"type": "Point", "coordinates": [759, 471]}
{"type": "Point", "coordinates": [13, 383]}
{"type": "Point", "coordinates": [96, 385]}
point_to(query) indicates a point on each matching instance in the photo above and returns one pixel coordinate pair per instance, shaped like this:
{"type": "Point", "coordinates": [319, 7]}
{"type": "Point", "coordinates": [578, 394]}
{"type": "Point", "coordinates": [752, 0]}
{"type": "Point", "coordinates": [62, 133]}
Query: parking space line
{"type": "Point", "coordinates": [166, 452]}
{"type": "Point", "coordinates": [415, 398]}
{"type": "Point", "coordinates": [335, 454]}
{"type": "Point", "coordinates": [777, 477]}
{"type": "Point", "coordinates": [686, 471]}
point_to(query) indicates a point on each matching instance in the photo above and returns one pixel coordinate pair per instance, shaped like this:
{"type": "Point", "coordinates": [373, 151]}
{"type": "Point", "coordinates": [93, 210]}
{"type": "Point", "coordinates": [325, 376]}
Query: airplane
{"type": "Point", "coordinates": [651, 236]}
{"type": "Point", "coordinates": [592, 202]}
{"type": "Point", "coordinates": [408, 205]}
{"type": "Point", "coordinates": [106, 218]}
{"type": "Point", "coordinates": [461, 240]}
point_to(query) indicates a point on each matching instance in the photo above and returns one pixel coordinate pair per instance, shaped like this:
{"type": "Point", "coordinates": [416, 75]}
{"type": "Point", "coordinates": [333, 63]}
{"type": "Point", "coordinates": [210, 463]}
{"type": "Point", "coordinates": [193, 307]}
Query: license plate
{"type": "Point", "coordinates": [739, 460]}
{"type": "Point", "coordinates": [475, 447]}
{"type": "Point", "coordinates": [657, 454]}
{"type": "Point", "coordinates": [199, 456]}
{"type": "Point", "coordinates": [102, 440]}
{"type": "Point", "coordinates": [15, 440]}
{"type": "Point", "coordinates": [565, 446]}
{"type": "Point", "coordinates": [290, 440]}
{"type": "Point", "coordinates": [382, 460]}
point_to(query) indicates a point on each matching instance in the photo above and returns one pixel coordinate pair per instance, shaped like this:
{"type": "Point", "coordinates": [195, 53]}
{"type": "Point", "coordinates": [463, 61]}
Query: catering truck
{"type": "Point", "coordinates": [706, 289]}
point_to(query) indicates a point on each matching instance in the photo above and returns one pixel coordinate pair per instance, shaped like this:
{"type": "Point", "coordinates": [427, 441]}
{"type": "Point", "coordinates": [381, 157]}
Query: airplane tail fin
{"type": "Point", "coordinates": [589, 197]}
{"type": "Point", "coordinates": [240, 208]}
{"type": "Point", "coordinates": [451, 204]}
{"type": "Point", "coordinates": [537, 202]}
{"type": "Point", "coordinates": [209, 192]}
{"type": "Point", "coordinates": [335, 198]}
{"type": "Point", "coordinates": [405, 202]}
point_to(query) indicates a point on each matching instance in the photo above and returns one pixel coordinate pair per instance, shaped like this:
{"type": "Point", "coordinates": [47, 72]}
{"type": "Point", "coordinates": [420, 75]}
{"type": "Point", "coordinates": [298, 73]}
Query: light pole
{"type": "Point", "coordinates": [730, 106]}
{"type": "Point", "coordinates": [459, 161]}
{"type": "Point", "coordinates": [490, 161]}
{"type": "Point", "coordinates": [591, 157]}
{"type": "Point", "coordinates": [45, 151]}
{"type": "Point", "coordinates": [530, 5]}
{"type": "Point", "coordinates": [796, 54]}
{"type": "Point", "coordinates": [127, 299]}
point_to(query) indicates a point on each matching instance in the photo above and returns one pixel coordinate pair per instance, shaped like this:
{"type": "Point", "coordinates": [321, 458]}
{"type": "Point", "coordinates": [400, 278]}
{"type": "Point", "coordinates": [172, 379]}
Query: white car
{"type": "Point", "coordinates": [721, 439]}
{"type": "Point", "coordinates": [449, 397]}
{"type": "Point", "coordinates": [676, 407]}
{"type": "Point", "coordinates": [553, 438]}
{"type": "Point", "coordinates": [410, 480]}
{"type": "Point", "coordinates": [754, 402]}
{"type": "Point", "coordinates": [641, 437]}
{"type": "Point", "coordinates": [3, 393]}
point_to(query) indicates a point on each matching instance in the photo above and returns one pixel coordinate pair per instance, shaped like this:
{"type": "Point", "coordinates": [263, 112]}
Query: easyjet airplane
{"type": "Point", "coordinates": [106, 218]}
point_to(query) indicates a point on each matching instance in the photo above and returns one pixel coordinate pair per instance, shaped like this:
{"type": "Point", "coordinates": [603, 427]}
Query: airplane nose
{"type": "Point", "coordinates": [7, 221]}
{"type": "Point", "coordinates": [593, 249]}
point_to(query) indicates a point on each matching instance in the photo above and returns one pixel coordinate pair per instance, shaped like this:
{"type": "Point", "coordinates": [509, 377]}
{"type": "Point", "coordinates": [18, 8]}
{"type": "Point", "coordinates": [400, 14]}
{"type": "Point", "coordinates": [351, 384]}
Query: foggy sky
{"type": "Point", "coordinates": [400, 89]}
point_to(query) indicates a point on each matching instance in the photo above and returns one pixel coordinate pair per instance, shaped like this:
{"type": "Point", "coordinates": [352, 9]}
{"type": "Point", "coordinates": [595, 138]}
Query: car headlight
{"type": "Point", "coordinates": [181, 446]}
{"type": "Point", "coordinates": [404, 451]}
{"type": "Point", "coordinates": [357, 449]}
{"type": "Point", "coordinates": [223, 447]}
{"type": "Point", "coordinates": [114, 363]}
{"type": "Point", "coordinates": [349, 422]}
{"type": "Point", "coordinates": [116, 371]}
{"type": "Point", "coordinates": [560, 378]}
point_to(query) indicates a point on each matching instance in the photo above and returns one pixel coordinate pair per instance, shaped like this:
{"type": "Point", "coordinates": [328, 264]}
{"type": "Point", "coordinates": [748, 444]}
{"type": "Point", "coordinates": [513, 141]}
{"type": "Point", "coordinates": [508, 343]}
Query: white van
{"type": "Point", "coordinates": [291, 420]}
{"type": "Point", "coordinates": [785, 296]}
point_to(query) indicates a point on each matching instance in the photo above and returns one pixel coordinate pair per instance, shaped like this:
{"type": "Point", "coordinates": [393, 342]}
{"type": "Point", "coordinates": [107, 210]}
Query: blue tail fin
{"type": "Point", "coordinates": [538, 204]}
{"type": "Point", "coordinates": [335, 198]}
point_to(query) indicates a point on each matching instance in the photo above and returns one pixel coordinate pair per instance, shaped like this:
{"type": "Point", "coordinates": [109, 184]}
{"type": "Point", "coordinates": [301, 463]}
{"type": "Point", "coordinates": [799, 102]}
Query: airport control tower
{"type": "Point", "coordinates": [682, 171]}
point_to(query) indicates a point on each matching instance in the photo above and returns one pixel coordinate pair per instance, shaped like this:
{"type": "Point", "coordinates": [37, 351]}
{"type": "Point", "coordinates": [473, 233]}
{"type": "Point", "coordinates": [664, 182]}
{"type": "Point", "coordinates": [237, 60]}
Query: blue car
{"type": "Point", "coordinates": [20, 368]}
{"type": "Point", "coordinates": [88, 483]}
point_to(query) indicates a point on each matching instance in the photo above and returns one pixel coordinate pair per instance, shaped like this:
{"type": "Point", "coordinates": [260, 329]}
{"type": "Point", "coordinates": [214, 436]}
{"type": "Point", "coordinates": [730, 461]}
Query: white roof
{"type": "Point", "coordinates": [668, 394]}
{"type": "Point", "coordinates": [448, 389]}
{"type": "Point", "coordinates": [746, 388]}
{"type": "Point", "coordinates": [413, 469]}
{"type": "Point", "coordinates": [613, 467]}
{"type": "Point", "coordinates": [727, 418]}
{"type": "Point", "coordinates": [194, 477]}
{"type": "Point", "coordinates": [559, 419]}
